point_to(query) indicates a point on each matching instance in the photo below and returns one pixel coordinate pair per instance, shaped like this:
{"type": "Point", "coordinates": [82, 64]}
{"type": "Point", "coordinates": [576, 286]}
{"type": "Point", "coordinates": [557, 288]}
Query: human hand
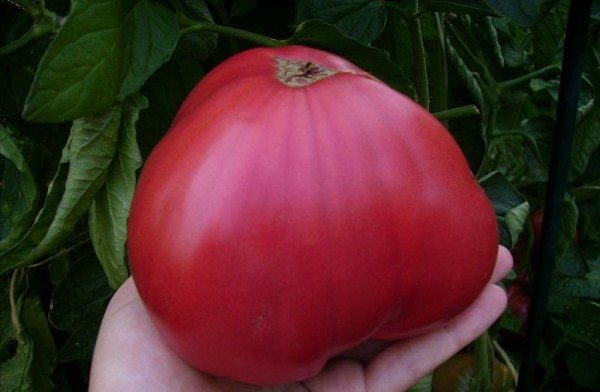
{"type": "Point", "coordinates": [130, 355]}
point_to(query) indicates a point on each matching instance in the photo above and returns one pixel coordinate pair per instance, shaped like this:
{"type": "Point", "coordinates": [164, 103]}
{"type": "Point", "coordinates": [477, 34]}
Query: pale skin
{"type": "Point", "coordinates": [131, 356]}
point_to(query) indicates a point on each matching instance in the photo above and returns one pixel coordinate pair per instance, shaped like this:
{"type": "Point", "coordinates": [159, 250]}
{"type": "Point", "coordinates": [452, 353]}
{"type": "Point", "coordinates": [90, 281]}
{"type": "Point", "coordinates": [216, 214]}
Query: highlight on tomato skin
{"type": "Point", "coordinates": [284, 218]}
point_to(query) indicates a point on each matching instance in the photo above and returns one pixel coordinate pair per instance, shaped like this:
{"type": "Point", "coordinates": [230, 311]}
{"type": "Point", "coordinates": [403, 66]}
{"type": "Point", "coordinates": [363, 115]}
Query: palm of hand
{"type": "Point", "coordinates": [131, 356]}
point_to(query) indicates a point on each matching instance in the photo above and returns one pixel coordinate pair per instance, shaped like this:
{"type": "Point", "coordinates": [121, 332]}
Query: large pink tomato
{"type": "Point", "coordinates": [297, 207]}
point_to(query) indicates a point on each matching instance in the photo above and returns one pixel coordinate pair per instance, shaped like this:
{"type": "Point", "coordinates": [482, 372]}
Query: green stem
{"type": "Point", "coordinates": [476, 60]}
{"type": "Point", "coordinates": [439, 68]}
{"type": "Point", "coordinates": [224, 19]}
{"type": "Point", "coordinates": [18, 43]}
{"type": "Point", "coordinates": [44, 22]}
{"type": "Point", "coordinates": [416, 38]}
{"type": "Point", "coordinates": [507, 361]}
{"type": "Point", "coordinates": [31, 7]}
{"type": "Point", "coordinates": [61, 253]}
{"type": "Point", "coordinates": [461, 111]}
{"type": "Point", "coordinates": [482, 378]}
{"type": "Point", "coordinates": [233, 32]}
{"type": "Point", "coordinates": [524, 78]}
{"type": "Point", "coordinates": [14, 310]}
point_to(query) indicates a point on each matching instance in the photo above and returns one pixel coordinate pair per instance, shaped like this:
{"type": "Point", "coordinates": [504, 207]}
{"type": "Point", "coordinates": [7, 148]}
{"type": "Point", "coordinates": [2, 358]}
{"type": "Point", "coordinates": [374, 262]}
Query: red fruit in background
{"type": "Point", "coordinates": [297, 207]}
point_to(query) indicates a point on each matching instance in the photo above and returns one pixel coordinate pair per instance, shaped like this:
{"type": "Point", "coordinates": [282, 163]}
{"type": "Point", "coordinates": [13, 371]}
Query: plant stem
{"type": "Point", "coordinates": [507, 361]}
{"type": "Point", "coordinates": [14, 311]}
{"type": "Point", "coordinates": [482, 377]}
{"type": "Point", "coordinates": [224, 20]}
{"type": "Point", "coordinates": [439, 68]}
{"type": "Point", "coordinates": [19, 42]}
{"type": "Point", "coordinates": [233, 32]}
{"type": "Point", "coordinates": [61, 253]}
{"type": "Point", "coordinates": [461, 111]}
{"type": "Point", "coordinates": [524, 78]}
{"type": "Point", "coordinates": [416, 38]}
{"type": "Point", "coordinates": [27, 5]}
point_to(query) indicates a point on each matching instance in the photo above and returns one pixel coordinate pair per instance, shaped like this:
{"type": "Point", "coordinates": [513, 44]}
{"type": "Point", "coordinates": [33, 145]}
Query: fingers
{"type": "Point", "coordinates": [365, 352]}
{"type": "Point", "coordinates": [404, 363]}
{"type": "Point", "coordinates": [504, 264]}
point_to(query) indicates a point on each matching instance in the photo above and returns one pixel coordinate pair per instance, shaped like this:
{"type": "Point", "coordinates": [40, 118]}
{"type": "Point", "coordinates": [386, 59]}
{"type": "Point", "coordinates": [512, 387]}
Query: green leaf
{"type": "Point", "coordinates": [472, 7]}
{"type": "Point", "coordinates": [586, 138]}
{"type": "Point", "coordinates": [18, 192]}
{"type": "Point", "coordinates": [242, 7]}
{"type": "Point", "coordinates": [590, 220]}
{"type": "Point", "coordinates": [572, 262]}
{"type": "Point", "coordinates": [568, 225]}
{"type": "Point", "coordinates": [198, 44]}
{"type": "Point", "coordinates": [583, 323]}
{"type": "Point", "coordinates": [110, 208]}
{"type": "Point", "coordinates": [328, 37]}
{"type": "Point", "coordinates": [395, 40]}
{"type": "Point", "coordinates": [82, 340]}
{"type": "Point", "coordinates": [29, 368]}
{"type": "Point", "coordinates": [362, 20]}
{"type": "Point", "coordinates": [523, 13]}
{"type": "Point", "coordinates": [548, 36]}
{"type": "Point", "coordinates": [166, 90]}
{"type": "Point", "coordinates": [512, 209]}
{"type": "Point", "coordinates": [89, 152]}
{"type": "Point", "coordinates": [423, 385]}
{"type": "Point", "coordinates": [35, 324]}
{"type": "Point", "coordinates": [466, 75]}
{"type": "Point", "coordinates": [82, 295]}
{"type": "Point", "coordinates": [583, 367]}
{"type": "Point", "coordinates": [104, 50]}
{"type": "Point", "coordinates": [15, 375]}
{"type": "Point", "coordinates": [515, 155]}
{"type": "Point", "coordinates": [152, 34]}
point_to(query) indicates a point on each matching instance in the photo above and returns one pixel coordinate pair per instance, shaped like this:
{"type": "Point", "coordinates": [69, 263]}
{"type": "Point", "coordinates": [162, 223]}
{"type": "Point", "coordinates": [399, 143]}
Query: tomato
{"type": "Point", "coordinates": [455, 375]}
{"type": "Point", "coordinates": [297, 207]}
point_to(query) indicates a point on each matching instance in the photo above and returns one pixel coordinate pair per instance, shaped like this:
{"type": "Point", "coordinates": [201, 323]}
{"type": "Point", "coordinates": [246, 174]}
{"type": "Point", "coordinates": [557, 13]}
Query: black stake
{"type": "Point", "coordinates": [570, 82]}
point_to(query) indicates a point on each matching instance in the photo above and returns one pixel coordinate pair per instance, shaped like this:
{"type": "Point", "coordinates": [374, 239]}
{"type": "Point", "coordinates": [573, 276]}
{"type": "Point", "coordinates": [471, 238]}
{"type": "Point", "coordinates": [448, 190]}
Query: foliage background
{"type": "Point", "coordinates": [87, 89]}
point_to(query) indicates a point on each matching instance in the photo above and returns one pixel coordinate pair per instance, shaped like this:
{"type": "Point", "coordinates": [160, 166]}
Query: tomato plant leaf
{"type": "Point", "coordinates": [81, 295]}
{"type": "Point", "coordinates": [89, 152]}
{"type": "Point", "coordinates": [583, 367]}
{"type": "Point", "coordinates": [80, 344]}
{"type": "Point", "coordinates": [35, 324]}
{"type": "Point", "coordinates": [198, 44]}
{"type": "Point", "coordinates": [423, 385]}
{"type": "Point", "coordinates": [165, 91]}
{"type": "Point", "coordinates": [517, 157]}
{"type": "Point", "coordinates": [31, 366]}
{"type": "Point", "coordinates": [151, 35]}
{"type": "Point", "coordinates": [586, 138]}
{"type": "Point", "coordinates": [523, 13]}
{"type": "Point", "coordinates": [18, 192]}
{"type": "Point", "coordinates": [325, 36]}
{"type": "Point", "coordinates": [242, 7]}
{"type": "Point", "coordinates": [362, 20]}
{"type": "Point", "coordinates": [512, 209]}
{"type": "Point", "coordinates": [15, 373]}
{"type": "Point", "coordinates": [548, 36]}
{"type": "Point", "coordinates": [472, 7]}
{"type": "Point", "coordinates": [583, 323]}
{"type": "Point", "coordinates": [110, 208]}
{"type": "Point", "coordinates": [105, 49]}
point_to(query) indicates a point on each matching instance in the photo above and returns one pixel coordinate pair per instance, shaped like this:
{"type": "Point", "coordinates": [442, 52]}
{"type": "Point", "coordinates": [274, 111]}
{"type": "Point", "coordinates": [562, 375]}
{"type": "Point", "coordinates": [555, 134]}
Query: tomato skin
{"type": "Point", "coordinates": [275, 226]}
